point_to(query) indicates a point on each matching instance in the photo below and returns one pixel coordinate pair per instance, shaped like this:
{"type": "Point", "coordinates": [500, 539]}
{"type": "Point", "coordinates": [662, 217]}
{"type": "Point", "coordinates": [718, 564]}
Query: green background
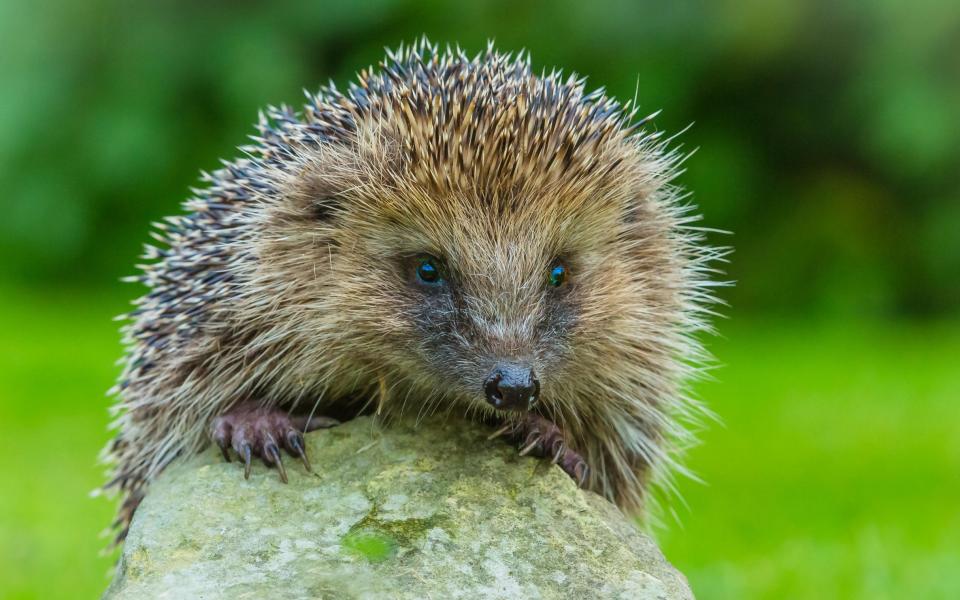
{"type": "Point", "coordinates": [828, 142]}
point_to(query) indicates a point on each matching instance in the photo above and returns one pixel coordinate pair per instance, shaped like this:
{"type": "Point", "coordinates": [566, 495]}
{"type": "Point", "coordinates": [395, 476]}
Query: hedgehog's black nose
{"type": "Point", "coordinates": [511, 386]}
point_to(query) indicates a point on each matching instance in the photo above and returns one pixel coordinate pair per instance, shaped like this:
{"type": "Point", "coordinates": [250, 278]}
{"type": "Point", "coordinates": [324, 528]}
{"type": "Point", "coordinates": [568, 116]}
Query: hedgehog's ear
{"type": "Point", "coordinates": [312, 197]}
{"type": "Point", "coordinates": [321, 204]}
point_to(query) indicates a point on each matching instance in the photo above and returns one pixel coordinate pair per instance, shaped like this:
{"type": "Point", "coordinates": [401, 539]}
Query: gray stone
{"type": "Point", "coordinates": [402, 511]}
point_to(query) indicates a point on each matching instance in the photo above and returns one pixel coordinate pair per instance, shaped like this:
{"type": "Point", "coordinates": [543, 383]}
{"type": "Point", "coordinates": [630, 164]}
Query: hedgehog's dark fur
{"type": "Point", "coordinates": [285, 282]}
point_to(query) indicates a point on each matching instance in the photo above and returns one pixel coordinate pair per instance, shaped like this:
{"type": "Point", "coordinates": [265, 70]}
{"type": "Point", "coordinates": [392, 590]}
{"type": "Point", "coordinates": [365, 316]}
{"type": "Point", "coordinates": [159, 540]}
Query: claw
{"type": "Point", "coordinates": [580, 472]}
{"type": "Point", "coordinates": [542, 437]}
{"type": "Point", "coordinates": [533, 439]}
{"type": "Point", "coordinates": [224, 448]}
{"type": "Point", "coordinates": [315, 422]}
{"type": "Point", "coordinates": [221, 435]}
{"type": "Point", "coordinates": [264, 432]}
{"type": "Point", "coordinates": [557, 451]}
{"type": "Point", "coordinates": [246, 453]}
{"type": "Point", "coordinates": [271, 451]}
{"type": "Point", "coordinates": [500, 431]}
{"type": "Point", "coordinates": [295, 442]}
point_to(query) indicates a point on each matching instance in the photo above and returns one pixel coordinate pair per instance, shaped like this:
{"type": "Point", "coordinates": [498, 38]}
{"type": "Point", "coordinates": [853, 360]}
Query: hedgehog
{"type": "Point", "coordinates": [448, 235]}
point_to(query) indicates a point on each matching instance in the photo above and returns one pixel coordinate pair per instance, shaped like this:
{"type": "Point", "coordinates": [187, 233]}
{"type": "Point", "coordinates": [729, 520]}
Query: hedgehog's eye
{"type": "Point", "coordinates": [428, 270]}
{"type": "Point", "coordinates": [558, 275]}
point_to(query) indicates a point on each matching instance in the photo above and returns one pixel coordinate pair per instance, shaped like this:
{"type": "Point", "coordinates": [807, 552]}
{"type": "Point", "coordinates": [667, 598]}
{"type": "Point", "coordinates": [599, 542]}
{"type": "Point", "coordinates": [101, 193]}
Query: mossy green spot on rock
{"type": "Point", "coordinates": [377, 538]}
{"type": "Point", "coordinates": [371, 545]}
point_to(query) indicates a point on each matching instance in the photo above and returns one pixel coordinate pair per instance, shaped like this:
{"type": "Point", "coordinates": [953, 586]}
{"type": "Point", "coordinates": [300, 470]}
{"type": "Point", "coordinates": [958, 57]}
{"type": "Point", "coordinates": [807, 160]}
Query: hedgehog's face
{"type": "Point", "coordinates": [495, 306]}
{"type": "Point", "coordinates": [518, 252]}
{"type": "Point", "coordinates": [478, 309]}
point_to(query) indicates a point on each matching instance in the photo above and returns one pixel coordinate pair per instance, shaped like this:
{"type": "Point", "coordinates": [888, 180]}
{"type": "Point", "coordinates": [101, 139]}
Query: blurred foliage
{"type": "Point", "coordinates": [829, 132]}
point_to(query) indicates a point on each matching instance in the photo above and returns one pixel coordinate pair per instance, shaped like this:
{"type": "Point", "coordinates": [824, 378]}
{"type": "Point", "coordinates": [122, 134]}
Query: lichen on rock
{"type": "Point", "coordinates": [433, 510]}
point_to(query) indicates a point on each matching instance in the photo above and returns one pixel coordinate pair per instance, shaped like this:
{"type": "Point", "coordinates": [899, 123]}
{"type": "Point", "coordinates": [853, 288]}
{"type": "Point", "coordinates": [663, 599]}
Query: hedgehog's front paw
{"type": "Point", "coordinates": [539, 436]}
{"type": "Point", "coordinates": [255, 431]}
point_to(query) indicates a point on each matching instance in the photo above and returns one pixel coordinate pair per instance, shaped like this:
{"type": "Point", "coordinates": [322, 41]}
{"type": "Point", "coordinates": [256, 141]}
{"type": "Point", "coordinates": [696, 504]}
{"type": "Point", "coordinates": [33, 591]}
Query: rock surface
{"type": "Point", "coordinates": [434, 511]}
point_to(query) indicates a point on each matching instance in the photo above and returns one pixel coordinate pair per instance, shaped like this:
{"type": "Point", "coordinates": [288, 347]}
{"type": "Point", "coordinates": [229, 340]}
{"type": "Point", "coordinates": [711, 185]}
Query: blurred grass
{"type": "Point", "coordinates": [57, 351]}
{"type": "Point", "coordinates": [835, 472]}
{"type": "Point", "coordinates": [833, 476]}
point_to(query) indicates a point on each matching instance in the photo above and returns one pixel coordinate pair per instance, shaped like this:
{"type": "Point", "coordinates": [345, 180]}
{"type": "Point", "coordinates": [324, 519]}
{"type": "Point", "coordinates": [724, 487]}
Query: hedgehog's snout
{"type": "Point", "coordinates": [512, 386]}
